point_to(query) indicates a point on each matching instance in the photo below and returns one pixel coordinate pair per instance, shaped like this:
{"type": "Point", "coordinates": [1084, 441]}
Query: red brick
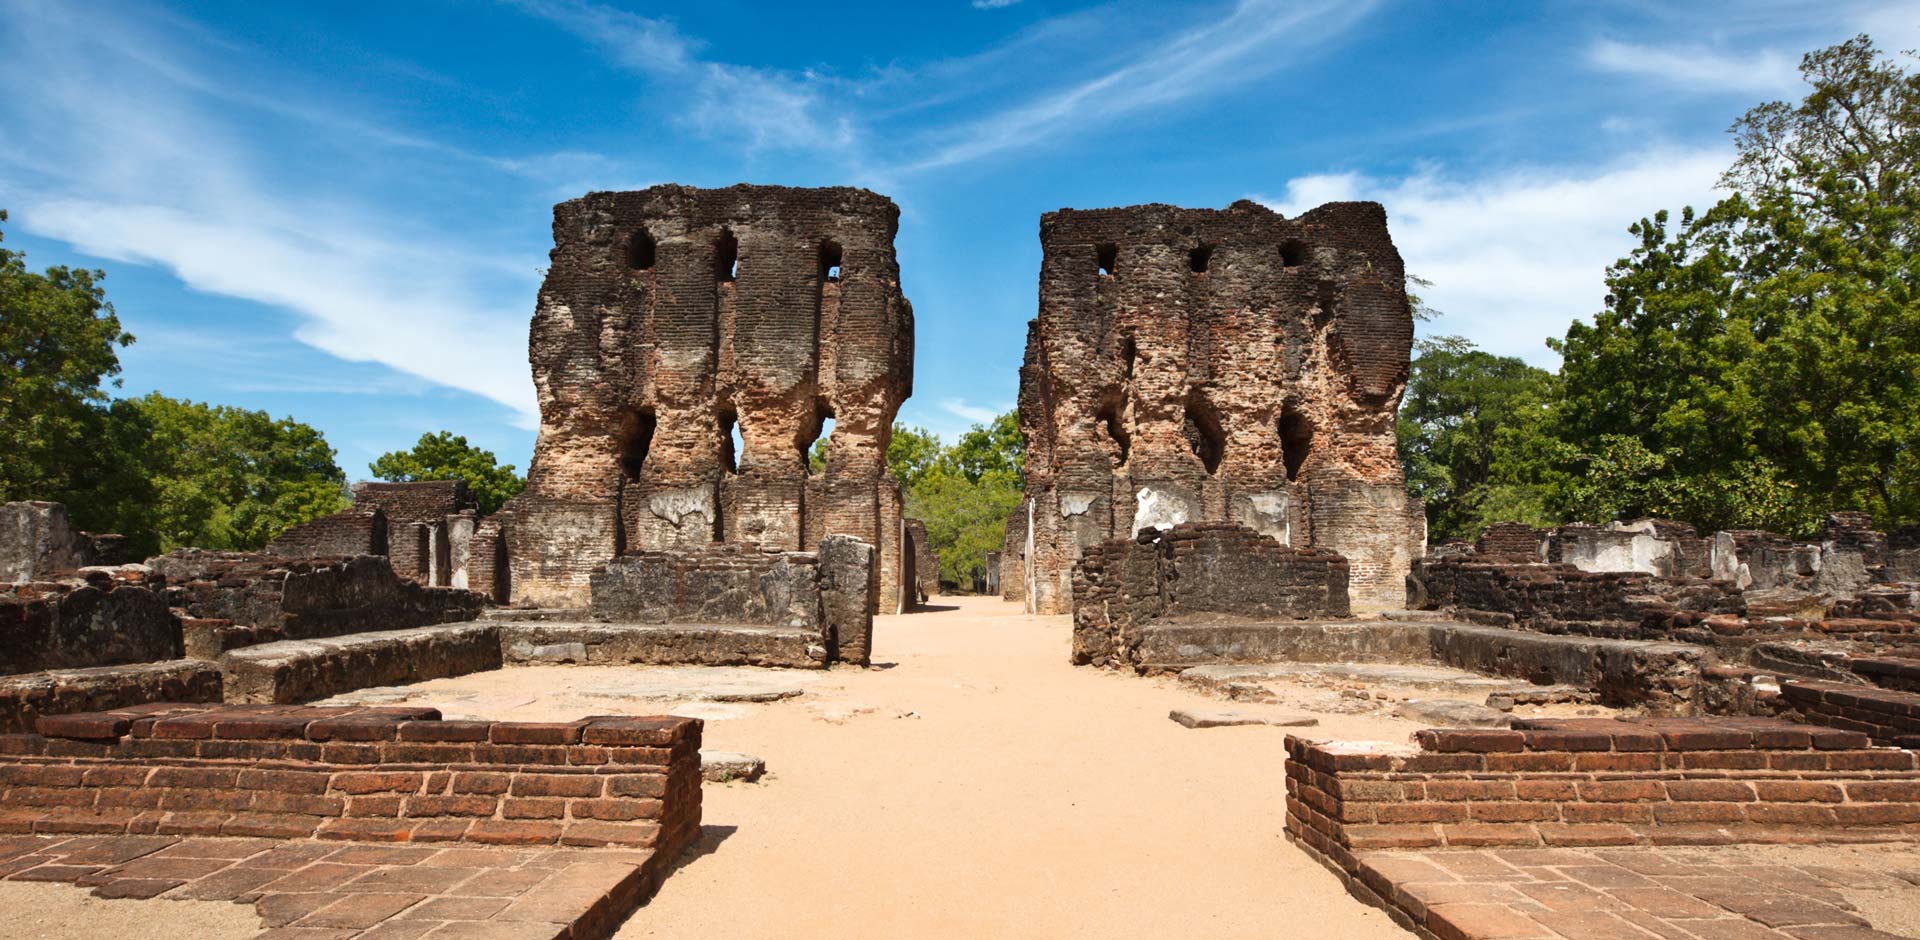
{"type": "Point", "coordinates": [285, 781]}
{"type": "Point", "coordinates": [1798, 791]}
{"type": "Point", "coordinates": [367, 830]}
{"type": "Point", "coordinates": [1606, 813]}
{"type": "Point", "coordinates": [604, 833]}
{"type": "Point", "coordinates": [354, 728]}
{"type": "Point", "coordinates": [533, 809]}
{"type": "Point", "coordinates": [570, 785]}
{"type": "Point", "coordinates": [526, 732]}
{"type": "Point", "coordinates": [271, 826]}
{"type": "Point", "coordinates": [616, 810]}
{"type": "Point", "coordinates": [1550, 789]}
{"type": "Point", "coordinates": [1885, 791]}
{"type": "Point", "coordinates": [651, 785]}
{"type": "Point", "coordinates": [1444, 740]}
{"type": "Point", "coordinates": [1586, 834]}
{"type": "Point", "coordinates": [1421, 812]}
{"type": "Point", "coordinates": [375, 804]}
{"type": "Point", "coordinates": [91, 725]}
{"type": "Point", "coordinates": [1621, 791]}
{"type": "Point", "coordinates": [203, 778]}
{"type": "Point", "coordinates": [1569, 741]}
{"type": "Point", "coordinates": [508, 832]}
{"type": "Point", "coordinates": [1709, 791]}
{"type": "Point", "coordinates": [184, 727]}
{"type": "Point", "coordinates": [1699, 812]}
{"type": "Point", "coordinates": [450, 806]}
{"type": "Point", "coordinates": [378, 782]}
{"type": "Point", "coordinates": [445, 731]}
{"type": "Point", "coordinates": [480, 783]}
{"type": "Point", "coordinates": [257, 727]}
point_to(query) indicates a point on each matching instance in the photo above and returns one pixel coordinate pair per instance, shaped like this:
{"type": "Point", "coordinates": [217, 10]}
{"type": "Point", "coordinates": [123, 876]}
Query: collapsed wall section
{"type": "Point", "coordinates": [1196, 573]}
{"type": "Point", "coordinates": [688, 349]}
{"type": "Point", "coordinates": [1216, 365]}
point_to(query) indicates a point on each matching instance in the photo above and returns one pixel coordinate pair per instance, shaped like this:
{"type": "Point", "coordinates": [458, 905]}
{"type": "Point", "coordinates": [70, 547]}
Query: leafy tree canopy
{"type": "Point", "coordinates": [447, 456]}
{"type": "Point", "coordinates": [1466, 413]}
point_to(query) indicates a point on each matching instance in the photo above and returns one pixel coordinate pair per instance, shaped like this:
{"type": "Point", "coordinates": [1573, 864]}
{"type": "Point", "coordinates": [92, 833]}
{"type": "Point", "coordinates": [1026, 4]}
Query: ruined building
{"type": "Point", "coordinates": [1228, 365]}
{"type": "Point", "coordinates": [688, 349]}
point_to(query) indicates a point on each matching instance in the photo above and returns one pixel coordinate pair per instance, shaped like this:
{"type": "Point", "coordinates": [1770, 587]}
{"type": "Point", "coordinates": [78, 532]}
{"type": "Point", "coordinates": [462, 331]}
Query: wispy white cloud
{"type": "Point", "coordinates": [1698, 68]}
{"type": "Point", "coordinates": [993, 4]}
{"type": "Point", "coordinates": [975, 413]}
{"type": "Point", "coordinates": [1516, 255]}
{"type": "Point", "coordinates": [127, 151]}
{"type": "Point", "coordinates": [1253, 39]}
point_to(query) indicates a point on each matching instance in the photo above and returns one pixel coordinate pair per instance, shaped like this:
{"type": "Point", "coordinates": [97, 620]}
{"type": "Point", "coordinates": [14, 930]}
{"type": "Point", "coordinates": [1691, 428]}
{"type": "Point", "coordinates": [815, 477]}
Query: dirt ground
{"type": "Point", "coordinates": [975, 785]}
{"type": "Point", "coordinates": [39, 911]}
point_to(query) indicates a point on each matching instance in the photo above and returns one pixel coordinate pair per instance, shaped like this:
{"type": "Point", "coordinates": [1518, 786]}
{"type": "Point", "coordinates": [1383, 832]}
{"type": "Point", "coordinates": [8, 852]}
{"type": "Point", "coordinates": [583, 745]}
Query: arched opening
{"type": "Point", "coordinates": [1199, 258]}
{"type": "Point", "coordinates": [640, 250]}
{"type": "Point", "coordinates": [1293, 253]}
{"type": "Point", "coordinates": [1107, 255]}
{"type": "Point", "coordinates": [726, 257]}
{"type": "Point", "coordinates": [829, 261]}
{"type": "Point", "coordinates": [1109, 417]}
{"type": "Point", "coordinates": [1203, 431]}
{"type": "Point", "coordinates": [636, 438]}
{"type": "Point", "coordinates": [730, 444]}
{"type": "Point", "coordinates": [813, 441]}
{"type": "Point", "coordinates": [1296, 440]}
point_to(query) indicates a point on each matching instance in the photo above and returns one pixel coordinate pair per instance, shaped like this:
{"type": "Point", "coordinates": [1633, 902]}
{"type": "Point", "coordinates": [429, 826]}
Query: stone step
{"type": "Point", "coordinates": [1623, 672]}
{"type": "Point", "coordinates": [293, 671]}
{"type": "Point", "coordinates": [1889, 672]}
{"type": "Point", "coordinates": [1890, 716]}
{"type": "Point", "coordinates": [597, 643]}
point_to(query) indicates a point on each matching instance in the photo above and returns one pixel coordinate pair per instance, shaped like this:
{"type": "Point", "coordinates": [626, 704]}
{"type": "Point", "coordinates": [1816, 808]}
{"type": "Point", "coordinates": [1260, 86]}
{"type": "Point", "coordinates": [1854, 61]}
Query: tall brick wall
{"type": "Point", "coordinates": [672, 318]}
{"type": "Point", "coordinates": [1196, 571]}
{"type": "Point", "coordinates": [1219, 365]}
{"type": "Point", "coordinates": [378, 774]}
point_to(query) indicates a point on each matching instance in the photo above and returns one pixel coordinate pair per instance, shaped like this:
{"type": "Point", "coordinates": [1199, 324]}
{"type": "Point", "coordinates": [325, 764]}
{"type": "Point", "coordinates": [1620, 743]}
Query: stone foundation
{"type": "Point", "coordinates": [1212, 572]}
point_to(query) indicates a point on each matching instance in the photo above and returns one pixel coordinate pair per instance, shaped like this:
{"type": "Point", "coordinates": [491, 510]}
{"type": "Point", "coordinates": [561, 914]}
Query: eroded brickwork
{"type": "Point", "coordinates": [674, 319]}
{"type": "Point", "coordinates": [1218, 365]}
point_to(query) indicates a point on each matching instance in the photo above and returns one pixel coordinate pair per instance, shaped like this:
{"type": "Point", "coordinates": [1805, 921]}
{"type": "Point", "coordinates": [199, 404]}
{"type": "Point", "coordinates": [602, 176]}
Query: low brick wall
{"type": "Point", "coordinates": [1889, 716]}
{"type": "Point", "coordinates": [353, 531]}
{"type": "Point", "coordinates": [25, 698]}
{"type": "Point", "coordinates": [370, 774]}
{"type": "Point", "coordinates": [1573, 782]}
{"type": "Point", "coordinates": [78, 624]}
{"type": "Point", "coordinates": [1208, 572]}
{"type": "Point", "coordinates": [305, 598]}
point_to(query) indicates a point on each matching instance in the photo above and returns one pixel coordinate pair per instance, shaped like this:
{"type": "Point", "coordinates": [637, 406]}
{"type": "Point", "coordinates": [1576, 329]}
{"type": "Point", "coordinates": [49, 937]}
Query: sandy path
{"type": "Point", "coordinates": [1027, 799]}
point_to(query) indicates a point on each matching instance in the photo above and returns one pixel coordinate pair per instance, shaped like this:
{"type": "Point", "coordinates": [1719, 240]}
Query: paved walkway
{"type": "Point", "coordinates": [1642, 893]}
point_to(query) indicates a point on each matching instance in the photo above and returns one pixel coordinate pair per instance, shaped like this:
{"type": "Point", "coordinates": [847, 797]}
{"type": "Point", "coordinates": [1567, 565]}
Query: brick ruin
{"type": "Point", "coordinates": [1230, 365]}
{"type": "Point", "coordinates": [674, 321]}
{"type": "Point", "coordinates": [425, 529]}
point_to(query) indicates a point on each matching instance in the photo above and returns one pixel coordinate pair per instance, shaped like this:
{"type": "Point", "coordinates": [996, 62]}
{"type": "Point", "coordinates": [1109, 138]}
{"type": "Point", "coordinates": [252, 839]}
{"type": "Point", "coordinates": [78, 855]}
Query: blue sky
{"type": "Point", "coordinates": [341, 212]}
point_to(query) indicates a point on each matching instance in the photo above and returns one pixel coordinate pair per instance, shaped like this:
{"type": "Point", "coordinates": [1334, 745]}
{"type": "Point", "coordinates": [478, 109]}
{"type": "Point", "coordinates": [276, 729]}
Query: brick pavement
{"type": "Point", "coordinates": [1629, 893]}
{"type": "Point", "coordinates": [317, 890]}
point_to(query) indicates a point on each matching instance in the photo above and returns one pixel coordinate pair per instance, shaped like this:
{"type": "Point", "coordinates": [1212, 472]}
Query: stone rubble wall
{"type": "Point", "coordinates": [673, 318]}
{"type": "Point", "coordinates": [283, 598]}
{"type": "Point", "coordinates": [25, 698]}
{"type": "Point", "coordinates": [1193, 365]}
{"type": "Point", "coordinates": [827, 593]}
{"type": "Point", "coordinates": [370, 774]}
{"type": "Point", "coordinates": [1196, 572]}
{"type": "Point", "coordinates": [79, 623]}
{"type": "Point", "coordinates": [36, 540]}
{"type": "Point", "coordinates": [1890, 716]}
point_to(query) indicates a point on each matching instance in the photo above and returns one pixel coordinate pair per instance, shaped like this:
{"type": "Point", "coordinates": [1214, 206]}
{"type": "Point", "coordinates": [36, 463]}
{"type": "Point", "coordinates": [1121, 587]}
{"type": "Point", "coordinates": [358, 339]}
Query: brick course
{"type": "Point", "coordinates": [381, 774]}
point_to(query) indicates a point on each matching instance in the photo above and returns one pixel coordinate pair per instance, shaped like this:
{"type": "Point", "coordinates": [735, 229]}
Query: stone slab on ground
{"type": "Point", "coordinates": [1228, 718]}
{"type": "Point", "coordinates": [723, 766]}
{"type": "Point", "coordinates": [1734, 892]}
{"type": "Point", "coordinates": [341, 891]}
{"type": "Point", "coordinates": [292, 671]}
{"type": "Point", "coordinates": [1447, 713]}
{"type": "Point", "coordinates": [598, 643]}
{"type": "Point", "coordinates": [1390, 675]}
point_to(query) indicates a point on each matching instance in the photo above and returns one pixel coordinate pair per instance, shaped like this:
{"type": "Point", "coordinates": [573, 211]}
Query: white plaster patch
{"type": "Point", "coordinates": [676, 505]}
{"type": "Point", "coordinates": [1158, 509]}
{"type": "Point", "coordinates": [1074, 504]}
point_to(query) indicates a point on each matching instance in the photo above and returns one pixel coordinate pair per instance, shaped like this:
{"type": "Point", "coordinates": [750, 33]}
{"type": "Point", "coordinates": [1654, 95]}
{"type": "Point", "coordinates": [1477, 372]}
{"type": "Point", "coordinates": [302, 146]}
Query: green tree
{"type": "Point", "coordinates": [447, 456]}
{"type": "Point", "coordinates": [911, 452]}
{"type": "Point", "coordinates": [995, 447]}
{"type": "Point", "coordinates": [965, 518]}
{"type": "Point", "coordinates": [1758, 364]}
{"type": "Point", "coordinates": [1467, 415]}
{"type": "Point", "coordinates": [59, 342]}
{"type": "Point", "coordinates": [224, 477]}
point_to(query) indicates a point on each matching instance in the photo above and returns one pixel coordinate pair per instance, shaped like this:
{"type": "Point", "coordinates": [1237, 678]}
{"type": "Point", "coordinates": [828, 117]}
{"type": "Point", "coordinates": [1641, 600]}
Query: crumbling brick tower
{"type": "Point", "coordinates": [1217, 365]}
{"type": "Point", "coordinates": [674, 318]}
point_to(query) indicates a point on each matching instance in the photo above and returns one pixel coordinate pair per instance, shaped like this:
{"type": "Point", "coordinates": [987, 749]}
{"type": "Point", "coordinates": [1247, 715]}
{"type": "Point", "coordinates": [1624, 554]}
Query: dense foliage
{"type": "Point", "coordinates": [447, 456]}
{"type": "Point", "coordinates": [963, 493]}
{"type": "Point", "coordinates": [160, 471]}
{"type": "Point", "coordinates": [1757, 364]}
